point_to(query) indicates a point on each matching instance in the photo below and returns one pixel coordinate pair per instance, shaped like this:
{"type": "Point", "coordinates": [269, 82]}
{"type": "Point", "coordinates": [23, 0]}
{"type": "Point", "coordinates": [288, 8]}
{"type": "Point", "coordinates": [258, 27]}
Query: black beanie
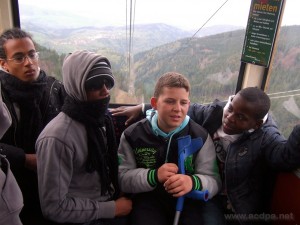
{"type": "Point", "coordinates": [99, 70]}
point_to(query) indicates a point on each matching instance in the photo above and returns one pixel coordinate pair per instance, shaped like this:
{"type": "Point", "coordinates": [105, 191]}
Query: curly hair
{"type": "Point", "coordinates": [258, 98]}
{"type": "Point", "coordinates": [13, 33]}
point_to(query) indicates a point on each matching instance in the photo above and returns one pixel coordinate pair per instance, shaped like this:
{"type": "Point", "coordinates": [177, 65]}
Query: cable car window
{"type": "Point", "coordinates": [284, 86]}
{"type": "Point", "coordinates": [144, 39]}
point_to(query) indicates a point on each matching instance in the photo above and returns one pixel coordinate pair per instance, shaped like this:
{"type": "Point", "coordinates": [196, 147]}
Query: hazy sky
{"type": "Point", "coordinates": [189, 14]}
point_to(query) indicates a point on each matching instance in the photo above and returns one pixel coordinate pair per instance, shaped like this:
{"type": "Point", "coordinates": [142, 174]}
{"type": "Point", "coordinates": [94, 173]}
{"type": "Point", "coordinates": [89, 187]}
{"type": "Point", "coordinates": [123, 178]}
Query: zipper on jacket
{"type": "Point", "coordinates": [225, 183]}
{"type": "Point", "coordinates": [48, 100]}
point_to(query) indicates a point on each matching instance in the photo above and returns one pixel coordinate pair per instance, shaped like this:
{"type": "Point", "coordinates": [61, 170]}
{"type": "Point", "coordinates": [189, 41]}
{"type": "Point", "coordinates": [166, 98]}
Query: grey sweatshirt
{"type": "Point", "coordinates": [67, 192]}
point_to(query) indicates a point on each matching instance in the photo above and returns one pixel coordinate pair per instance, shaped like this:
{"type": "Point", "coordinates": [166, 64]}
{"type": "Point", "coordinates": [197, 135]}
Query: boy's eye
{"type": "Point", "coordinates": [18, 58]}
{"type": "Point", "coordinates": [169, 101]}
{"type": "Point", "coordinates": [31, 55]}
{"type": "Point", "coordinates": [240, 117]}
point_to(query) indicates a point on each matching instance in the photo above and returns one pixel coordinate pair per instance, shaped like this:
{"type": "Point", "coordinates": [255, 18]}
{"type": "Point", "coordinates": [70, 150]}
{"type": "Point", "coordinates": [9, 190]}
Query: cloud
{"type": "Point", "coordinates": [186, 14]}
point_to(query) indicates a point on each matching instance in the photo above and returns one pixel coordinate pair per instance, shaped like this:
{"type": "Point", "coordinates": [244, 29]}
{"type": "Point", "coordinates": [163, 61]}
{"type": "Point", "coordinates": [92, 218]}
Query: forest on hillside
{"type": "Point", "coordinates": [211, 63]}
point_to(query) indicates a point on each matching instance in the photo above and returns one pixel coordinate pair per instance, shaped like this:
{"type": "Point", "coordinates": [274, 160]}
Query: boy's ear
{"type": "Point", "coordinates": [153, 102]}
{"type": "Point", "coordinates": [258, 124]}
{"type": "Point", "coordinates": [3, 64]}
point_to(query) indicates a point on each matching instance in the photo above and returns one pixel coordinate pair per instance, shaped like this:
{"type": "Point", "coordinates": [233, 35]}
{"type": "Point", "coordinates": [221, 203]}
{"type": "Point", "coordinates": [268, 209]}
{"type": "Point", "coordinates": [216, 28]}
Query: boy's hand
{"type": "Point", "coordinates": [166, 171]}
{"type": "Point", "coordinates": [179, 185]}
{"type": "Point", "coordinates": [132, 112]}
{"type": "Point", "coordinates": [123, 206]}
{"type": "Point", "coordinates": [30, 162]}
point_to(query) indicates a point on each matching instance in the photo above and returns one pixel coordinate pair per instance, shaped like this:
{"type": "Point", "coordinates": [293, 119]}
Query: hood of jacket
{"type": "Point", "coordinates": [75, 69]}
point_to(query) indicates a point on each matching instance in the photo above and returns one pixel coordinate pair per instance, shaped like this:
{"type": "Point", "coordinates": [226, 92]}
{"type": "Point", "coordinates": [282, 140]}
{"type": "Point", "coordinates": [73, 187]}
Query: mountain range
{"type": "Point", "coordinates": [66, 32]}
{"type": "Point", "coordinates": [211, 62]}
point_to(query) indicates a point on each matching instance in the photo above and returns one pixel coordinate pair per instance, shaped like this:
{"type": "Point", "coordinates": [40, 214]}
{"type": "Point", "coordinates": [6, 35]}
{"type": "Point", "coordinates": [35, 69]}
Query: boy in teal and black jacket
{"type": "Point", "coordinates": [148, 155]}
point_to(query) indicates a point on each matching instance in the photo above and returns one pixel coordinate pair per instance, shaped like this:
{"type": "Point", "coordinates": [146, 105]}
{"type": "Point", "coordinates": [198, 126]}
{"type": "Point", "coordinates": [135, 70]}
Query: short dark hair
{"type": "Point", "coordinates": [171, 79]}
{"type": "Point", "coordinates": [258, 98]}
{"type": "Point", "coordinates": [13, 33]}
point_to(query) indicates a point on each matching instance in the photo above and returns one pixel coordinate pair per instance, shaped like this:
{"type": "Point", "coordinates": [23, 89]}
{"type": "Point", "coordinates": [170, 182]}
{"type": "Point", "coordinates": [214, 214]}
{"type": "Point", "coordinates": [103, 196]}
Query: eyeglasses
{"type": "Point", "coordinates": [32, 56]}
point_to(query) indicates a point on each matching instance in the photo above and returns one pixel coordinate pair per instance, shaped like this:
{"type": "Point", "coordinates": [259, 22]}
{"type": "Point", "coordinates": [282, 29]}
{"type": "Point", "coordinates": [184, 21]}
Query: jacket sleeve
{"type": "Point", "coordinates": [55, 169]}
{"type": "Point", "coordinates": [196, 112]}
{"type": "Point", "coordinates": [131, 178]}
{"type": "Point", "coordinates": [11, 201]}
{"type": "Point", "coordinates": [62, 93]}
{"type": "Point", "coordinates": [282, 154]}
{"type": "Point", "coordinates": [206, 168]}
{"type": "Point", "coordinates": [59, 93]}
{"type": "Point", "coordinates": [15, 156]}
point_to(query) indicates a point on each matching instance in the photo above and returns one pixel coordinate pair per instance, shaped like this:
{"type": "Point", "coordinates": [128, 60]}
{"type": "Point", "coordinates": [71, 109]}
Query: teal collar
{"type": "Point", "coordinates": [152, 114]}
